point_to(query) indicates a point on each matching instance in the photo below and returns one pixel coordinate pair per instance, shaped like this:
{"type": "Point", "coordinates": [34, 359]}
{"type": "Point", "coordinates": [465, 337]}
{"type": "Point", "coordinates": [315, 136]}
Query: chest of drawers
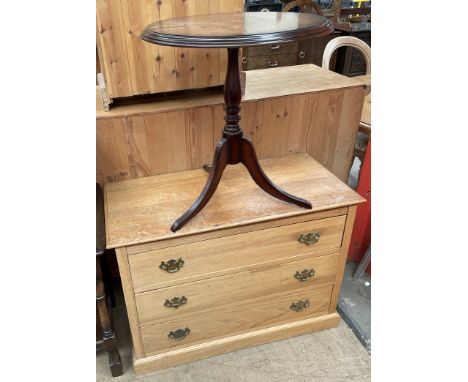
{"type": "Point", "coordinates": [252, 271]}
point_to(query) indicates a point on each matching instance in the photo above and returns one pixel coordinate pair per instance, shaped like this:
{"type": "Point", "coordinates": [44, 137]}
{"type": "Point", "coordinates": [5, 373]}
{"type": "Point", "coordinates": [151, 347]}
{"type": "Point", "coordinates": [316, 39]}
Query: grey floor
{"type": "Point", "coordinates": [355, 297]}
{"type": "Point", "coordinates": [331, 355]}
{"type": "Point", "coordinates": [355, 304]}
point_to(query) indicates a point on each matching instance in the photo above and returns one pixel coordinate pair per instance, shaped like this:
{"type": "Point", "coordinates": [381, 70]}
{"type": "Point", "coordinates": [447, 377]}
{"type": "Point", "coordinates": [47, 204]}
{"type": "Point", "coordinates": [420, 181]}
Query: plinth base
{"type": "Point", "coordinates": [224, 345]}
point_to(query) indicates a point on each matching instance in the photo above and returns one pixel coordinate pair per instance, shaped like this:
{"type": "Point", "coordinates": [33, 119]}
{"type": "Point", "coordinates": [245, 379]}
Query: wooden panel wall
{"type": "Point", "coordinates": [131, 66]}
{"type": "Point", "coordinates": [323, 124]}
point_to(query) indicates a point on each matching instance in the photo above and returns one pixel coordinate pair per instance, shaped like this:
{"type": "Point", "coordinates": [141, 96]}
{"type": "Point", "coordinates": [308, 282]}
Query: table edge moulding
{"type": "Point", "coordinates": [170, 32]}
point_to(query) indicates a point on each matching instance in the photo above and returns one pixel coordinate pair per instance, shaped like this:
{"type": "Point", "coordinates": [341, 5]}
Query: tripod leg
{"type": "Point", "coordinates": [249, 159]}
{"type": "Point", "coordinates": [220, 161]}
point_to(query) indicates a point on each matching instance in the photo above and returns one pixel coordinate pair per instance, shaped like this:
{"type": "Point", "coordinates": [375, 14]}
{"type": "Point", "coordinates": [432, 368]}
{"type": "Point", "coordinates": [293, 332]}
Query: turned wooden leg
{"type": "Point", "coordinates": [220, 161]}
{"type": "Point", "coordinates": [249, 159]}
{"type": "Point", "coordinates": [109, 342]}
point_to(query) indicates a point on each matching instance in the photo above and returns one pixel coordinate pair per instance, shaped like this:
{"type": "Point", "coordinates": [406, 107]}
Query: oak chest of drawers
{"type": "Point", "coordinates": [248, 269]}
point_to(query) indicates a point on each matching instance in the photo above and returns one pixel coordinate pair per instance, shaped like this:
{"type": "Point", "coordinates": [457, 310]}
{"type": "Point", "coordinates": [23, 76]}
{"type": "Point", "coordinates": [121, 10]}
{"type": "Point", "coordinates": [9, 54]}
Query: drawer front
{"type": "Point", "coordinates": [270, 61]}
{"type": "Point", "coordinates": [215, 293]}
{"type": "Point", "coordinates": [275, 48]}
{"type": "Point", "coordinates": [235, 253]}
{"type": "Point", "coordinates": [253, 315]}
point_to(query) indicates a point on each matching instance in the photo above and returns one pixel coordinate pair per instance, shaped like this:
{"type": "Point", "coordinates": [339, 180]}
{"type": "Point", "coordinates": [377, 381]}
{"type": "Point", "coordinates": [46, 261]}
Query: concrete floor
{"type": "Point", "coordinates": [330, 355]}
{"type": "Point", "coordinates": [354, 304]}
{"type": "Point", "coordinates": [355, 297]}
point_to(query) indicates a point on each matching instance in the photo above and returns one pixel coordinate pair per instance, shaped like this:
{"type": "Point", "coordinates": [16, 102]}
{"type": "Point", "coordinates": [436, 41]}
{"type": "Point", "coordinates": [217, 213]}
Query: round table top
{"type": "Point", "coordinates": [230, 30]}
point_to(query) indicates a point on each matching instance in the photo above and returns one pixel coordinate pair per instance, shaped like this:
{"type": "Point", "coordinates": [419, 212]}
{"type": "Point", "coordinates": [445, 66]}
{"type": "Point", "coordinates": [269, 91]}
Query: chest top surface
{"type": "Point", "coordinates": [224, 30]}
{"type": "Point", "coordinates": [142, 210]}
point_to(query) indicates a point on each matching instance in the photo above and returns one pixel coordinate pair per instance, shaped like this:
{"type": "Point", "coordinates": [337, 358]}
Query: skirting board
{"type": "Point", "coordinates": [224, 345]}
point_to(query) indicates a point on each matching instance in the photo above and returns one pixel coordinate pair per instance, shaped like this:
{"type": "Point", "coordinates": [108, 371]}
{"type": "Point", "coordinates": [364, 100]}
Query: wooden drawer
{"type": "Point", "coordinates": [234, 253]}
{"type": "Point", "coordinates": [266, 50]}
{"type": "Point", "coordinates": [252, 315]}
{"type": "Point", "coordinates": [270, 61]}
{"type": "Point", "coordinates": [217, 292]}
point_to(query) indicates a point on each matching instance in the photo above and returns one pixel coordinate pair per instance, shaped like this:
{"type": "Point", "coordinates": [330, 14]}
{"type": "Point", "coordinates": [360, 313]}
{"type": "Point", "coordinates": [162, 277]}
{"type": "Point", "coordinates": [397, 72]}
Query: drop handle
{"type": "Point", "coordinates": [299, 306]}
{"type": "Point", "coordinates": [305, 274]}
{"type": "Point", "coordinates": [274, 46]}
{"type": "Point", "coordinates": [309, 238]}
{"type": "Point", "coordinates": [175, 302]}
{"type": "Point", "coordinates": [172, 265]}
{"type": "Point", "coordinates": [273, 64]}
{"type": "Point", "coordinates": [179, 334]}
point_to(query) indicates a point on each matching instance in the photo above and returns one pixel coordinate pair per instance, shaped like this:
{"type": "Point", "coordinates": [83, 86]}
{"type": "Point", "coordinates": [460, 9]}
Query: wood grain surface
{"type": "Point", "coordinates": [343, 255]}
{"type": "Point", "coordinates": [132, 66]}
{"type": "Point", "coordinates": [260, 84]}
{"type": "Point", "coordinates": [285, 111]}
{"type": "Point", "coordinates": [230, 290]}
{"type": "Point", "coordinates": [230, 343]}
{"type": "Point", "coordinates": [142, 210]}
{"type": "Point", "coordinates": [271, 49]}
{"type": "Point", "coordinates": [236, 29]}
{"type": "Point", "coordinates": [366, 109]}
{"type": "Point", "coordinates": [234, 253]}
{"type": "Point", "coordinates": [196, 237]}
{"type": "Point", "coordinates": [132, 313]}
{"type": "Point", "coordinates": [237, 319]}
{"type": "Point", "coordinates": [271, 61]}
{"type": "Point", "coordinates": [293, 80]}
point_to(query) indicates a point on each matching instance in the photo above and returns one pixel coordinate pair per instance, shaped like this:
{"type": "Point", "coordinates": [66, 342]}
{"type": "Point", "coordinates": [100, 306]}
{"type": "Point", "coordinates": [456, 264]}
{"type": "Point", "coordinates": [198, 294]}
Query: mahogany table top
{"type": "Point", "coordinates": [231, 30]}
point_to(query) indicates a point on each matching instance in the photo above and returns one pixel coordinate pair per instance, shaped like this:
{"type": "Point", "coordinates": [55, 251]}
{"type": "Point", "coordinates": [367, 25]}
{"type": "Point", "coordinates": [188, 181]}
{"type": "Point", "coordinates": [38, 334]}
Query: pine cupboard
{"type": "Point", "coordinates": [130, 66]}
{"type": "Point", "coordinates": [296, 109]}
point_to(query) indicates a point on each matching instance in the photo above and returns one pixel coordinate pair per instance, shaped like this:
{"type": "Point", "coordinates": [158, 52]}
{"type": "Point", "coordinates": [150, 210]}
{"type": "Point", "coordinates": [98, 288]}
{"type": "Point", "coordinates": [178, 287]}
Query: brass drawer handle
{"type": "Point", "coordinates": [274, 46]}
{"type": "Point", "coordinates": [244, 60]}
{"type": "Point", "coordinates": [172, 265]}
{"type": "Point", "coordinates": [301, 54]}
{"type": "Point", "coordinates": [299, 306]}
{"type": "Point", "coordinates": [175, 302]}
{"type": "Point", "coordinates": [310, 238]}
{"type": "Point", "coordinates": [273, 64]}
{"type": "Point", "coordinates": [305, 275]}
{"type": "Point", "coordinates": [179, 334]}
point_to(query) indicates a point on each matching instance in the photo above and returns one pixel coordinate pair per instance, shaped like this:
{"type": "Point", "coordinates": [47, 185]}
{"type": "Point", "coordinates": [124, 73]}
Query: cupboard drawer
{"type": "Point", "coordinates": [218, 292]}
{"type": "Point", "coordinates": [234, 253]}
{"type": "Point", "coordinates": [266, 50]}
{"type": "Point", "coordinates": [270, 61]}
{"type": "Point", "coordinates": [252, 315]}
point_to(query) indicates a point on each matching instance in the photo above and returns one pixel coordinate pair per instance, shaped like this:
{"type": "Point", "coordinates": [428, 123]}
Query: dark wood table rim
{"type": "Point", "coordinates": [324, 28]}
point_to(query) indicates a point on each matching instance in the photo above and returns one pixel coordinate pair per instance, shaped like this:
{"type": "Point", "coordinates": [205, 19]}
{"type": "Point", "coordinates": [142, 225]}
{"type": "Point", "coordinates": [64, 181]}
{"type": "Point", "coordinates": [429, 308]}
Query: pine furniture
{"type": "Point", "coordinates": [290, 110]}
{"type": "Point", "coordinates": [248, 269]}
{"type": "Point", "coordinates": [130, 67]}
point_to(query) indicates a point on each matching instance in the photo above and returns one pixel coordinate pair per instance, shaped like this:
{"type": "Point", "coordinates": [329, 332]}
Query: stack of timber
{"type": "Point", "coordinates": [296, 109]}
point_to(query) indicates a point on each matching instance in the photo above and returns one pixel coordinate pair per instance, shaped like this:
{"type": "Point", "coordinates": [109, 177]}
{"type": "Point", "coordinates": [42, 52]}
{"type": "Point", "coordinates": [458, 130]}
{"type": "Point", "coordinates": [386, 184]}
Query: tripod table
{"type": "Point", "coordinates": [233, 31]}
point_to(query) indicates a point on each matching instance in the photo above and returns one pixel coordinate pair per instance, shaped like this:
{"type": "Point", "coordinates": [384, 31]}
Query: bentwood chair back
{"type": "Point", "coordinates": [347, 41]}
